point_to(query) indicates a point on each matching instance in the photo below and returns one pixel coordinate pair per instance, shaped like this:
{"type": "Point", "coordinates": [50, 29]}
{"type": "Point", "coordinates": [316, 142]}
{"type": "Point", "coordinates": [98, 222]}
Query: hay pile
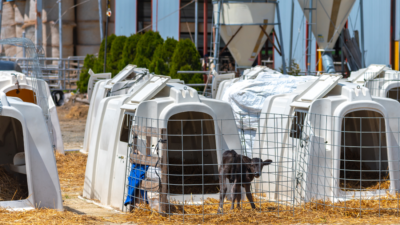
{"type": "Point", "coordinates": [73, 109]}
{"type": "Point", "coordinates": [46, 216]}
{"type": "Point", "coordinates": [374, 211]}
{"type": "Point", "coordinates": [71, 171]}
{"type": "Point", "coordinates": [11, 188]}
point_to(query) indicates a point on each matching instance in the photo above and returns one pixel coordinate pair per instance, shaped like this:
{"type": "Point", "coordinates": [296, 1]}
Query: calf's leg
{"type": "Point", "coordinates": [249, 195]}
{"type": "Point", "coordinates": [222, 196]}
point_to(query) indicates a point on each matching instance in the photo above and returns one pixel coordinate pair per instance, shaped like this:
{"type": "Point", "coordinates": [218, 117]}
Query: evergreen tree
{"type": "Point", "coordinates": [98, 65]}
{"type": "Point", "coordinates": [88, 63]}
{"type": "Point", "coordinates": [116, 54]}
{"type": "Point", "coordinates": [146, 47]}
{"type": "Point", "coordinates": [186, 57]}
{"type": "Point", "coordinates": [162, 57]}
{"type": "Point", "coordinates": [129, 51]}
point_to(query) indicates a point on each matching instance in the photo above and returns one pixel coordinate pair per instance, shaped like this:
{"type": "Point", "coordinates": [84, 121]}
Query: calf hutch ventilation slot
{"type": "Point", "coordinates": [13, 179]}
{"type": "Point", "coordinates": [175, 166]}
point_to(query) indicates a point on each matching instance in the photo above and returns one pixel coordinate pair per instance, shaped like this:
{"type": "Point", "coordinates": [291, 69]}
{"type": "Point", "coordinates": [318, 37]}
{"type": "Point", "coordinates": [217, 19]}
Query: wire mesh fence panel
{"type": "Point", "coordinates": [384, 84]}
{"type": "Point", "coordinates": [32, 88]}
{"type": "Point", "coordinates": [350, 163]}
{"type": "Point", "coordinates": [194, 164]}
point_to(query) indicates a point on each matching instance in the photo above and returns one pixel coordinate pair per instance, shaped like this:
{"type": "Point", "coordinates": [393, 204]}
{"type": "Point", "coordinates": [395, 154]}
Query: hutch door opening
{"type": "Point", "coordinates": [192, 155]}
{"type": "Point", "coordinates": [13, 180]}
{"type": "Point", "coordinates": [363, 156]}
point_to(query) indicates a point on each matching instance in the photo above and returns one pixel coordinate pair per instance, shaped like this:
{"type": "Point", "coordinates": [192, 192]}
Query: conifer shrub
{"type": "Point", "coordinates": [88, 63]}
{"type": "Point", "coordinates": [129, 51]}
{"type": "Point", "coordinates": [115, 57]}
{"type": "Point", "coordinates": [186, 57]}
{"type": "Point", "coordinates": [146, 47]}
{"type": "Point", "coordinates": [162, 56]}
{"type": "Point", "coordinates": [98, 66]}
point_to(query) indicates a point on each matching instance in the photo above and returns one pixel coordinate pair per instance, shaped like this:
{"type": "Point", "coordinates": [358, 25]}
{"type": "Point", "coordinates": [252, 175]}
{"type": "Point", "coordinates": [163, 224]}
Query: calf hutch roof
{"type": "Point", "coordinates": [101, 86]}
{"type": "Point", "coordinates": [26, 152]}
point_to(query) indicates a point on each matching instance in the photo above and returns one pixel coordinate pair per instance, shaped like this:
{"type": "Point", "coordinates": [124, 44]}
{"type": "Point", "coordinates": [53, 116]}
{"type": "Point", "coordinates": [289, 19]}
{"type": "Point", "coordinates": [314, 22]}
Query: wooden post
{"type": "Point", "coordinates": [164, 204]}
{"type": "Point", "coordinates": [148, 140]}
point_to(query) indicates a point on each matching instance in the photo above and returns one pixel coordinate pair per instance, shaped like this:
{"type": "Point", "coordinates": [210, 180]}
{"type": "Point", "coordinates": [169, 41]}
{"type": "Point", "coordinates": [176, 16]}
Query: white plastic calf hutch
{"type": "Point", "coordinates": [153, 121]}
{"type": "Point", "coordinates": [379, 79]}
{"type": "Point", "coordinates": [345, 142]}
{"type": "Point", "coordinates": [101, 88]}
{"type": "Point", "coordinates": [107, 153]}
{"type": "Point", "coordinates": [26, 152]}
{"type": "Point", "coordinates": [18, 85]}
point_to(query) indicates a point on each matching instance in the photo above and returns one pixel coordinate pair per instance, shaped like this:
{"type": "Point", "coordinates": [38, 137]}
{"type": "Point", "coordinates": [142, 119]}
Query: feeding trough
{"type": "Point", "coordinates": [344, 140]}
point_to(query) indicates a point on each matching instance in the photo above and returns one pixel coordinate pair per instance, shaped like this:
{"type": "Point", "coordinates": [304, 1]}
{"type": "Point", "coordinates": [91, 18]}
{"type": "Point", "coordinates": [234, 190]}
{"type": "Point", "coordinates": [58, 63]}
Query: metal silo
{"type": "Point", "coordinates": [244, 26]}
{"type": "Point", "coordinates": [327, 20]}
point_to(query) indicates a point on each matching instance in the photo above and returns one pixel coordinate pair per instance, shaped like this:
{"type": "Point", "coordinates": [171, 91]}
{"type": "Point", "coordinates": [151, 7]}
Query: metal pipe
{"type": "Point", "coordinates": [196, 27]}
{"type": "Point", "coordinates": [309, 37]}
{"type": "Point", "coordinates": [291, 37]}
{"type": "Point", "coordinates": [327, 62]}
{"type": "Point", "coordinates": [23, 48]}
{"type": "Point", "coordinates": [342, 55]}
{"type": "Point", "coordinates": [362, 33]}
{"type": "Point", "coordinates": [101, 20]}
{"type": "Point", "coordinates": [248, 24]}
{"type": "Point", "coordinates": [281, 37]}
{"type": "Point", "coordinates": [205, 28]}
{"type": "Point", "coordinates": [60, 45]}
{"type": "Point", "coordinates": [216, 41]}
{"type": "Point", "coordinates": [1, 13]}
{"type": "Point", "coordinates": [182, 71]}
{"type": "Point", "coordinates": [38, 24]}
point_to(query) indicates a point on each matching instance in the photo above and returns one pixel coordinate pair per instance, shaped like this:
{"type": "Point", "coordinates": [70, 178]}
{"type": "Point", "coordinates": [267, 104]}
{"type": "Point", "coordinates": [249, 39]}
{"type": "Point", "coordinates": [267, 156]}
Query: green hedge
{"type": "Point", "coordinates": [147, 50]}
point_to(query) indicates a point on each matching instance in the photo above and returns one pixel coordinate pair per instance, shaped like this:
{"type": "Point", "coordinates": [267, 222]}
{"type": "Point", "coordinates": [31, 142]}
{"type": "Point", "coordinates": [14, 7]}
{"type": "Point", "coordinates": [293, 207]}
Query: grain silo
{"type": "Point", "coordinates": [51, 28]}
{"type": "Point", "coordinates": [8, 28]}
{"type": "Point", "coordinates": [88, 27]}
{"type": "Point", "coordinates": [327, 21]}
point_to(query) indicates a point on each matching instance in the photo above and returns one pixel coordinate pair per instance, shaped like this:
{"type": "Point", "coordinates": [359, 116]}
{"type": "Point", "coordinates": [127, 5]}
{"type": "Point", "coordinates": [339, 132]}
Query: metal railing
{"type": "Point", "coordinates": [61, 74]}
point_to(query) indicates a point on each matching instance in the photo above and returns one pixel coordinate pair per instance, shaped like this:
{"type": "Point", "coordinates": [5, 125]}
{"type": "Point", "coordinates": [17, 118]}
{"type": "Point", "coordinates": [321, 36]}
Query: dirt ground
{"type": "Point", "coordinates": [72, 118]}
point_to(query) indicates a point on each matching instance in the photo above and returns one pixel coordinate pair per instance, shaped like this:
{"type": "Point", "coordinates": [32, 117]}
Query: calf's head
{"type": "Point", "coordinates": [257, 165]}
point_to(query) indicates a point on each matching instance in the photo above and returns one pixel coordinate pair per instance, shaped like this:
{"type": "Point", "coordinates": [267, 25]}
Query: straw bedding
{"type": "Point", "coordinates": [12, 188]}
{"type": "Point", "coordinates": [71, 169]}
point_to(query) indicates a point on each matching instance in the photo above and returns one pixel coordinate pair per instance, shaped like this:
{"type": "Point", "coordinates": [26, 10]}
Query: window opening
{"type": "Point", "coordinates": [124, 136]}
{"type": "Point", "coordinates": [24, 94]}
{"type": "Point", "coordinates": [298, 124]}
{"type": "Point", "coordinates": [192, 154]}
{"type": "Point", "coordinates": [363, 157]}
{"type": "Point", "coordinates": [394, 93]}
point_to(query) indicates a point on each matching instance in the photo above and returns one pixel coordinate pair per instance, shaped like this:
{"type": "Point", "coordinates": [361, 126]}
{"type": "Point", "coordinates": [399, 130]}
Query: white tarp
{"type": "Point", "coordinates": [248, 96]}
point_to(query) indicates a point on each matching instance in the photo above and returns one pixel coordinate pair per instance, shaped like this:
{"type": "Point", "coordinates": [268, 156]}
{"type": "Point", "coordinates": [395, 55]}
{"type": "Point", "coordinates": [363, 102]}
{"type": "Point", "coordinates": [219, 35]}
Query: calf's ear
{"type": "Point", "coordinates": [267, 162]}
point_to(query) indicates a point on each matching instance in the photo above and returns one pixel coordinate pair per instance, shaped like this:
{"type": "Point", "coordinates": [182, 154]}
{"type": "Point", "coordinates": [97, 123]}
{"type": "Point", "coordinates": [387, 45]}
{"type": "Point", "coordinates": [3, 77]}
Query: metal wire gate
{"type": "Point", "coordinates": [385, 84]}
{"type": "Point", "coordinates": [350, 163]}
{"type": "Point", "coordinates": [176, 167]}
